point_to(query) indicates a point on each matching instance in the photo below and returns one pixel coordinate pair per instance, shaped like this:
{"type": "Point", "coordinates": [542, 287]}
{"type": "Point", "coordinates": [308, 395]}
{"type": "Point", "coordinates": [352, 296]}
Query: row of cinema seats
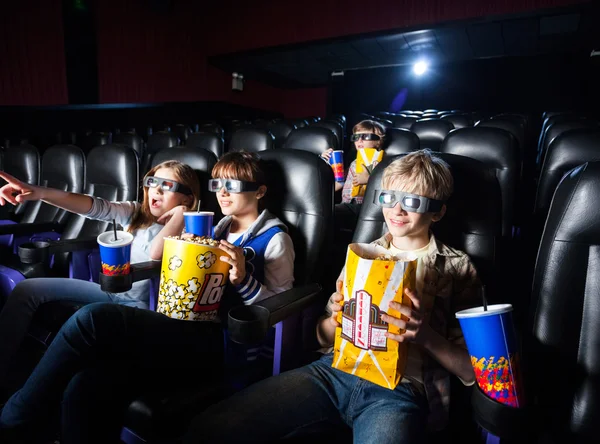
{"type": "Point", "coordinates": [474, 222]}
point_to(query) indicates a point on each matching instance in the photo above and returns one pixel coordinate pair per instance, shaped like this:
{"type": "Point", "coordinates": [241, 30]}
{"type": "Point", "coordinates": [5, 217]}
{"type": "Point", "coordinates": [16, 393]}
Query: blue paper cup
{"type": "Point", "coordinates": [115, 255]}
{"type": "Point", "coordinates": [200, 224]}
{"type": "Point", "coordinates": [491, 340]}
{"type": "Point", "coordinates": [336, 160]}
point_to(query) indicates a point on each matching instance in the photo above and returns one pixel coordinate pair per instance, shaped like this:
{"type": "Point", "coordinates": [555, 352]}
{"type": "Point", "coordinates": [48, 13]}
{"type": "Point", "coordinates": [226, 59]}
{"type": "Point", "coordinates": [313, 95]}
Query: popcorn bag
{"type": "Point", "coordinates": [366, 160]}
{"type": "Point", "coordinates": [372, 279]}
{"type": "Point", "coordinates": [192, 279]}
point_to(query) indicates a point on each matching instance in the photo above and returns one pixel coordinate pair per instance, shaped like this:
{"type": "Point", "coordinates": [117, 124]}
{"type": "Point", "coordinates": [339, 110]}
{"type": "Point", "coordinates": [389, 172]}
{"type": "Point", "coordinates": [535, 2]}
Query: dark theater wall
{"type": "Point", "coordinates": [32, 57]}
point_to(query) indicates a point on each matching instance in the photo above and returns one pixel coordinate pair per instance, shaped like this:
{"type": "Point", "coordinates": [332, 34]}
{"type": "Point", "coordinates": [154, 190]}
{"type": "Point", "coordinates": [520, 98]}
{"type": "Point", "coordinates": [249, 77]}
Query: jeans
{"type": "Point", "coordinates": [127, 345]}
{"type": "Point", "coordinates": [315, 395]}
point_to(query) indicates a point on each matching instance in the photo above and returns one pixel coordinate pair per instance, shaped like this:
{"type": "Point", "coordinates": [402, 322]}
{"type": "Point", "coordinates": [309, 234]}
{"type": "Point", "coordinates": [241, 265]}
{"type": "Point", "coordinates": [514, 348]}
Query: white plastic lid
{"type": "Point", "coordinates": [478, 312]}
{"type": "Point", "coordinates": [199, 213]}
{"type": "Point", "coordinates": [107, 239]}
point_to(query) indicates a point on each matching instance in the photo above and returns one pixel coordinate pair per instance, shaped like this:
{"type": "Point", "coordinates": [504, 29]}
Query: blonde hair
{"type": "Point", "coordinates": [185, 175]}
{"type": "Point", "coordinates": [370, 126]}
{"type": "Point", "coordinates": [420, 172]}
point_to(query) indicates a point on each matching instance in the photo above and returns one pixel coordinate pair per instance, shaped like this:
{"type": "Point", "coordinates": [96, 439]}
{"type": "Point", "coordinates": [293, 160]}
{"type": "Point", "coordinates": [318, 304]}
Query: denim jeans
{"type": "Point", "coordinates": [26, 298]}
{"type": "Point", "coordinates": [315, 395]}
{"type": "Point", "coordinates": [129, 346]}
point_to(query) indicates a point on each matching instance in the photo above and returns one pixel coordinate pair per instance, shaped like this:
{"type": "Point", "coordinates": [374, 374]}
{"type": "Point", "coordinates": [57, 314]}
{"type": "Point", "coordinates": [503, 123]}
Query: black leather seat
{"type": "Point", "coordinates": [94, 139]}
{"type": "Point", "coordinates": [555, 129]}
{"type": "Point", "coordinates": [400, 141]}
{"type": "Point", "coordinates": [498, 149]}
{"type": "Point", "coordinates": [182, 132]}
{"type": "Point", "coordinates": [458, 120]}
{"type": "Point", "coordinates": [156, 142]}
{"type": "Point", "coordinates": [202, 161]}
{"type": "Point", "coordinates": [280, 131]}
{"type": "Point", "coordinates": [212, 142]}
{"type": "Point", "coordinates": [403, 122]}
{"type": "Point", "coordinates": [132, 140]}
{"type": "Point", "coordinates": [313, 139]}
{"type": "Point", "coordinates": [251, 140]}
{"type": "Point", "coordinates": [211, 128]}
{"type": "Point", "coordinates": [432, 132]}
{"type": "Point", "coordinates": [333, 126]}
{"type": "Point", "coordinates": [300, 193]}
{"type": "Point", "coordinates": [569, 149]}
{"type": "Point", "coordinates": [22, 162]}
{"type": "Point", "coordinates": [558, 118]}
{"type": "Point", "coordinates": [298, 123]}
{"type": "Point", "coordinates": [566, 315]}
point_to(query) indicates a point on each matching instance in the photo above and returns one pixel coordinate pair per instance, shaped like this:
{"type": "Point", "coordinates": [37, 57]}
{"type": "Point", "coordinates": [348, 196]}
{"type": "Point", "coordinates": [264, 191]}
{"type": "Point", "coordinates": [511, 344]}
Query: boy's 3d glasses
{"type": "Point", "coordinates": [232, 185]}
{"type": "Point", "coordinates": [166, 185]}
{"type": "Point", "coordinates": [413, 203]}
{"type": "Point", "coordinates": [364, 136]}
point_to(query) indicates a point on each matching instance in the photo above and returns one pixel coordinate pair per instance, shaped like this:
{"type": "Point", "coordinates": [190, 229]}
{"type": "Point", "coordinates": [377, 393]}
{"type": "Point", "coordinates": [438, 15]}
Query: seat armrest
{"type": "Point", "coordinates": [283, 305]}
{"type": "Point", "coordinates": [36, 252]}
{"type": "Point", "coordinates": [30, 229]}
{"type": "Point", "coordinates": [138, 272]}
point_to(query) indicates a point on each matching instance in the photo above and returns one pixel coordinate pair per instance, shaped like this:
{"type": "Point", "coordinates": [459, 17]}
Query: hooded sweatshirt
{"type": "Point", "coordinates": [269, 253]}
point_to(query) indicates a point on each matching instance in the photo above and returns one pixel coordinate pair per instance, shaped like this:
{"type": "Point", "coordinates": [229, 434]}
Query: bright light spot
{"type": "Point", "coordinates": [420, 68]}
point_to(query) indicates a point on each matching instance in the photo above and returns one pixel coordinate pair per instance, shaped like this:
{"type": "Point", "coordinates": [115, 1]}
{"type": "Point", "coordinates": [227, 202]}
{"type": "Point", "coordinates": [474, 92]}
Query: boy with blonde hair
{"type": "Point", "coordinates": [413, 193]}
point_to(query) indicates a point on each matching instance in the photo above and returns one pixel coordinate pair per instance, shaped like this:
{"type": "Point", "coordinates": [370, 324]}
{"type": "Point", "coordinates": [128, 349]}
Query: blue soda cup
{"type": "Point", "coordinates": [115, 255]}
{"type": "Point", "coordinates": [199, 223]}
{"type": "Point", "coordinates": [492, 343]}
{"type": "Point", "coordinates": [336, 160]}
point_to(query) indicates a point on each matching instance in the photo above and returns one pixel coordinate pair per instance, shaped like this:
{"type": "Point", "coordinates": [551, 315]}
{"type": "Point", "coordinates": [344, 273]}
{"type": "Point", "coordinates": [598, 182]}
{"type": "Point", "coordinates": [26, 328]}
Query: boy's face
{"type": "Point", "coordinates": [402, 223]}
{"type": "Point", "coordinates": [239, 204]}
{"type": "Point", "coordinates": [359, 144]}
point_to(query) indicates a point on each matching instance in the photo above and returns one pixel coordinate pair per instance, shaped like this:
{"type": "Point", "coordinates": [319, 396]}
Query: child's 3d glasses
{"type": "Point", "coordinates": [413, 203]}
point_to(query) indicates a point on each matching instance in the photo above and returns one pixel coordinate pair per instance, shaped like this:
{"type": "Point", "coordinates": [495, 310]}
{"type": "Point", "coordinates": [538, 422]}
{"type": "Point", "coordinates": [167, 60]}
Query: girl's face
{"type": "Point", "coordinates": [162, 201]}
{"type": "Point", "coordinates": [359, 144]}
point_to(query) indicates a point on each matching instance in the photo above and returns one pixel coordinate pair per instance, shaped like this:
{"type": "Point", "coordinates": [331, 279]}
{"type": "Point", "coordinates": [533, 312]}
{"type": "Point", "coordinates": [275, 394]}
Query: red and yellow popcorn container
{"type": "Point", "coordinates": [361, 347]}
{"type": "Point", "coordinates": [192, 280]}
{"type": "Point", "coordinates": [366, 160]}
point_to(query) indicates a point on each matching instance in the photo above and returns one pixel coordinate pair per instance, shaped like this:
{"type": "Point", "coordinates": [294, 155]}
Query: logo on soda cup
{"type": "Point", "coordinates": [336, 160]}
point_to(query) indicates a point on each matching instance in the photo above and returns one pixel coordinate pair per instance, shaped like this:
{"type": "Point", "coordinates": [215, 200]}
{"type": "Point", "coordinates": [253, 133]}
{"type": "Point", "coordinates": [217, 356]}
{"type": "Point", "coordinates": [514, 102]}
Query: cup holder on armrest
{"type": "Point", "coordinates": [248, 324]}
{"type": "Point", "coordinates": [34, 252]}
{"type": "Point", "coordinates": [500, 419]}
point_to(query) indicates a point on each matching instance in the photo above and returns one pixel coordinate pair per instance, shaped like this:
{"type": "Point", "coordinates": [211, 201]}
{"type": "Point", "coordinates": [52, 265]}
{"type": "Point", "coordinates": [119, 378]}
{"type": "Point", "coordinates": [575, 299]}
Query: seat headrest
{"type": "Point", "coordinates": [252, 140]}
{"type": "Point", "coordinates": [207, 141]}
{"type": "Point", "coordinates": [555, 129]}
{"type": "Point", "coordinates": [130, 139]}
{"type": "Point", "coordinates": [211, 128]}
{"type": "Point", "coordinates": [569, 149]}
{"type": "Point", "coordinates": [513, 127]}
{"type": "Point", "coordinates": [431, 132]}
{"type": "Point", "coordinates": [400, 141]}
{"type": "Point", "coordinates": [23, 162]}
{"type": "Point", "coordinates": [93, 140]}
{"type": "Point", "coordinates": [313, 139]}
{"type": "Point", "coordinates": [182, 131]}
{"type": "Point", "coordinates": [64, 164]}
{"type": "Point", "coordinates": [161, 140]}
{"type": "Point", "coordinates": [458, 120]}
{"type": "Point", "coordinates": [403, 122]}
{"type": "Point", "coordinates": [333, 126]}
{"type": "Point", "coordinates": [115, 167]}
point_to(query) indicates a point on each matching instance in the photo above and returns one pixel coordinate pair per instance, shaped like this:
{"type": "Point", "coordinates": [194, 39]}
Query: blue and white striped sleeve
{"type": "Point", "coordinates": [279, 271]}
{"type": "Point", "coordinates": [104, 210]}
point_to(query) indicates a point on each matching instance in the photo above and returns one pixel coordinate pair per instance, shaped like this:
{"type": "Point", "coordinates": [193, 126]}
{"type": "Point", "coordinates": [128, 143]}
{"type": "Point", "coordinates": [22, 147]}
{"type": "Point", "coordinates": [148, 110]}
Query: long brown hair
{"type": "Point", "coordinates": [185, 175]}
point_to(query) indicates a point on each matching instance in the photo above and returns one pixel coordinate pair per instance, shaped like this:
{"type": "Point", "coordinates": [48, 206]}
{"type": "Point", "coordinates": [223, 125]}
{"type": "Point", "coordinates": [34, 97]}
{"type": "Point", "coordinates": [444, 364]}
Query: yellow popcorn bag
{"type": "Point", "coordinates": [366, 160]}
{"type": "Point", "coordinates": [370, 284]}
{"type": "Point", "coordinates": [192, 279]}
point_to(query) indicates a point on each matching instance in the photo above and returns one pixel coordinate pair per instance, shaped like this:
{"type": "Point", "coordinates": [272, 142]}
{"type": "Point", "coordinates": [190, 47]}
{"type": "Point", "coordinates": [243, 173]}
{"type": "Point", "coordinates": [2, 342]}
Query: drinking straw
{"type": "Point", "coordinates": [115, 229]}
{"type": "Point", "coordinates": [483, 297]}
{"type": "Point", "coordinates": [198, 209]}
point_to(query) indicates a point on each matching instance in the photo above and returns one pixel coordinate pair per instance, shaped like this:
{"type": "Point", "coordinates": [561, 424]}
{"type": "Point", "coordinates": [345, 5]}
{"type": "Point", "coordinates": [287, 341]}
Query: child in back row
{"type": "Point", "coordinates": [170, 189]}
{"type": "Point", "coordinates": [365, 134]}
{"type": "Point", "coordinates": [413, 194]}
{"type": "Point", "coordinates": [107, 354]}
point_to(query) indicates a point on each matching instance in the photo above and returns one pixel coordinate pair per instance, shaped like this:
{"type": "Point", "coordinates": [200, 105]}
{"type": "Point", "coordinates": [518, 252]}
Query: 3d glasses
{"type": "Point", "coordinates": [364, 136]}
{"type": "Point", "coordinates": [232, 185]}
{"type": "Point", "coordinates": [166, 185]}
{"type": "Point", "coordinates": [413, 203]}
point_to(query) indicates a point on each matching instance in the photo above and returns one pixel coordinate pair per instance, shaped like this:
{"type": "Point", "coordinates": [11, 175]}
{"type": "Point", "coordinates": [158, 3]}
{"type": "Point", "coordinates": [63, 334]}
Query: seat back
{"type": "Point", "coordinates": [298, 123]}
{"type": "Point", "coordinates": [280, 131]}
{"type": "Point", "coordinates": [459, 120]}
{"type": "Point", "coordinates": [22, 162]}
{"type": "Point", "coordinates": [403, 122]}
{"type": "Point", "coordinates": [211, 142]}
{"type": "Point", "coordinates": [300, 193]}
{"type": "Point", "coordinates": [556, 129]}
{"type": "Point", "coordinates": [182, 132]}
{"type": "Point", "coordinates": [312, 139]}
{"type": "Point", "coordinates": [400, 141]}
{"type": "Point", "coordinates": [132, 140]}
{"type": "Point", "coordinates": [432, 132]}
{"type": "Point", "coordinates": [565, 313]}
{"type": "Point", "coordinates": [63, 168]}
{"type": "Point", "coordinates": [471, 228]}
{"type": "Point", "coordinates": [569, 149]}
{"type": "Point", "coordinates": [499, 151]}
{"type": "Point", "coordinates": [161, 140]}
{"type": "Point", "coordinates": [202, 161]}
{"type": "Point", "coordinates": [332, 126]}
{"type": "Point", "coordinates": [252, 140]}
{"type": "Point", "coordinates": [94, 139]}
{"type": "Point", "coordinates": [211, 128]}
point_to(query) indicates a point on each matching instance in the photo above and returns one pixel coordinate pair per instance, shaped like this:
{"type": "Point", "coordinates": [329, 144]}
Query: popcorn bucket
{"type": "Point", "coordinates": [192, 280]}
{"type": "Point", "coordinates": [370, 284]}
{"type": "Point", "coordinates": [366, 160]}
